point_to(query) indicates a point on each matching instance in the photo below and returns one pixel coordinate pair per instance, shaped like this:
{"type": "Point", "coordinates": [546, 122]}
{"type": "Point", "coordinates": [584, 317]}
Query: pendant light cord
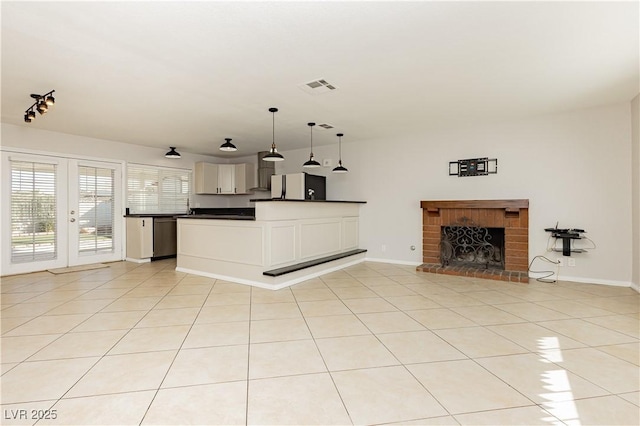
{"type": "Point", "coordinates": [273, 130]}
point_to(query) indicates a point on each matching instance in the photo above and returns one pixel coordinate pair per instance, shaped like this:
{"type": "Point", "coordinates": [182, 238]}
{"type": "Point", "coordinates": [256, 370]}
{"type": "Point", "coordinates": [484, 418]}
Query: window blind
{"type": "Point", "coordinates": [33, 212]}
{"type": "Point", "coordinates": [157, 190]}
{"type": "Point", "coordinates": [95, 210]}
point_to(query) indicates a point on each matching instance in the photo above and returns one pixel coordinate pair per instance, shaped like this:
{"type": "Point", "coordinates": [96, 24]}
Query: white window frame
{"type": "Point", "coordinates": [153, 203]}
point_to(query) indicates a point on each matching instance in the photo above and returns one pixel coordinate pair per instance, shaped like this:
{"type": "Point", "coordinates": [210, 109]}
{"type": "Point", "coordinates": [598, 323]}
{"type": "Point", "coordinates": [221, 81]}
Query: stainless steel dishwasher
{"type": "Point", "coordinates": [164, 237]}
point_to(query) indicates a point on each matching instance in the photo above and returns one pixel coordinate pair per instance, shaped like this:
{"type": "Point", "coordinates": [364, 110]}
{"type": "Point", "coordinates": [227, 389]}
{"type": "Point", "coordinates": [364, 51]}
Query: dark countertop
{"type": "Point", "coordinates": [226, 211]}
{"type": "Point", "coordinates": [256, 200]}
{"type": "Point", "coordinates": [217, 216]}
{"type": "Point", "coordinates": [233, 213]}
{"type": "Point", "coordinates": [153, 214]}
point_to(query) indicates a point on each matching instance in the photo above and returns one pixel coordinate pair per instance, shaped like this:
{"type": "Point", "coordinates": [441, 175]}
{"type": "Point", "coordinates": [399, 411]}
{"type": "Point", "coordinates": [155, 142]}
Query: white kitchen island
{"type": "Point", "coordinates": [285, 243]}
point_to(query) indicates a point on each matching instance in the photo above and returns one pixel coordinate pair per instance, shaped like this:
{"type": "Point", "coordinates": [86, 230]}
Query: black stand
{"type": "Point", "coordinates": [567, 235]}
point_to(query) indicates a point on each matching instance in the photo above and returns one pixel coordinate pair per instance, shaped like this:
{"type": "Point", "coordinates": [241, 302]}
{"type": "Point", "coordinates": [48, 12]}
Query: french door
{"type": "Point", "coordinates": [59, 212]}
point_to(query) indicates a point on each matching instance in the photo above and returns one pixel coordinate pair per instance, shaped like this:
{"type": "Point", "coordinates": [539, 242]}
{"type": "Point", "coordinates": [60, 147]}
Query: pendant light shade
{"type": "Point", "coordinates": [172, 153]}
{"type": "Point", "coordinates": [273, 154]}
{"type": "Point", "coordinates": [228, 146]}
{"type": "Point", "coordinates": [340, 168]}
{"type": "Point", "coordinates": [312, 163]}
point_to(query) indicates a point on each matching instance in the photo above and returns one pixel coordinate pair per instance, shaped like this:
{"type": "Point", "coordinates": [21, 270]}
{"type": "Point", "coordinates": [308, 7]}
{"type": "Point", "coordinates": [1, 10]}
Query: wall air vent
{"type": "Point", "coordinates": [317, 87]}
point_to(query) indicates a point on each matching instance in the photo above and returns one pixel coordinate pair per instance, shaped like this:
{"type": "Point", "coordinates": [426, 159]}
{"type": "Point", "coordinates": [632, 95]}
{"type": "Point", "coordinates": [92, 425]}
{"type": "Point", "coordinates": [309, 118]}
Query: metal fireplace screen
{"type": "Point", "coordinates": [472, 246]}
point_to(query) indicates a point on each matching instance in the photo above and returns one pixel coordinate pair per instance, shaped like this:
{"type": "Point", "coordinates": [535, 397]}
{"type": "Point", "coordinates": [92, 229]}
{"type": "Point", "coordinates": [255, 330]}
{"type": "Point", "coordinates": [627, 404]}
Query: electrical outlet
{"type": "Point", "coordinates": [571, 262]}
{"type": "Point", "coordinates": [560, 261]}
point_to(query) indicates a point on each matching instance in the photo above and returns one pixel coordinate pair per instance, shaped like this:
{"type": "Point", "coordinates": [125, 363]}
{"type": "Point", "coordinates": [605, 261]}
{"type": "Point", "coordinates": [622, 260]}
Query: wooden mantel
{"type": "Point", "coordinates": [509, 205]}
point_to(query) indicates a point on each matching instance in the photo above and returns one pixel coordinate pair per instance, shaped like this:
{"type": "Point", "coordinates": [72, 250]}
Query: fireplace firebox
{"type": "Point", "coordinates": [469, 245]}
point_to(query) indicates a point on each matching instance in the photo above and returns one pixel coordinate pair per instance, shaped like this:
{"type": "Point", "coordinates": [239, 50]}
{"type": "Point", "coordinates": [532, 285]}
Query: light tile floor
{"type": "Point", "coordinates": [372, 344]}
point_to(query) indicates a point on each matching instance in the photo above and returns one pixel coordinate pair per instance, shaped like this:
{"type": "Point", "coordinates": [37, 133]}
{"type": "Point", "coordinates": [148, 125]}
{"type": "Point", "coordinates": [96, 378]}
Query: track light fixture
{"type": "Point", "coordinates": [312, 163]}
{"type": "Point", "coordinates": [41, 104]}
{"type": "Point", "coordinates": [273, 154]}
{"type": "Point", "coordinates": [172, 153]}
{"type": "Point", "coordinates": [228, 146]}
{"type": "Point", "coordinates": [340, 168]}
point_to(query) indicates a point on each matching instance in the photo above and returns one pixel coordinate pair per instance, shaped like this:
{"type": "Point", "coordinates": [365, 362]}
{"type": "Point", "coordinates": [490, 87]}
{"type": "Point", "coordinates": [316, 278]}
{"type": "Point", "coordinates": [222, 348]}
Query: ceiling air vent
{"type": "Point", "coordinates": [325, 126]}
{"type": "Point", "coordinates": [317, 87]}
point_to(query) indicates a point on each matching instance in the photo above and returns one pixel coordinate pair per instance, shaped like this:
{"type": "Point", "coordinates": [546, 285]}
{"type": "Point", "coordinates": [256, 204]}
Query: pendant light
{"type": "Point", "coordinates": [273, 154]}
{"type": "Point", "coordinates": [228, 146]}
{"type": "Point", "coordinates": [172, 153]}
{"type": "Point", "coordinates": [312, 163]}
{"type": "Point", "coordinates": [340, 168]}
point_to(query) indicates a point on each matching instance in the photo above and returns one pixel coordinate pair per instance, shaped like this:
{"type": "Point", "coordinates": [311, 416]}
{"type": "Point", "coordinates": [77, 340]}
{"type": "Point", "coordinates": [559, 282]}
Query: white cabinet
{"type": "Point", "coordinates": [206, 178]}
{"type": "Point", "coordinates": [244, 177]}
{"type": "Point", "coordinates": [139, 238]}
{"type": "Point", "coordinates": [227, 178]}
{"type": "Point", "coordinates": [223, 179]}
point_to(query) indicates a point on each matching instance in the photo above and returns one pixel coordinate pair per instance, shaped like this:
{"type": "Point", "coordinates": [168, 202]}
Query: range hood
{"type": "Point", "coordinates": [266, 169]}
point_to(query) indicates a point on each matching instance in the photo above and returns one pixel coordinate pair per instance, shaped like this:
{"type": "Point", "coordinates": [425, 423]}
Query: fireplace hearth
{"type": "Point", "coordinates": [477, 238]}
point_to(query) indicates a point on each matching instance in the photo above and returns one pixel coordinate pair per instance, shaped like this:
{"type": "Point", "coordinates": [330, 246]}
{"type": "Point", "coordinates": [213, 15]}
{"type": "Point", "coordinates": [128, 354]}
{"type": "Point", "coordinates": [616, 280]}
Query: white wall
{"type": "Point", "coordinates": [24, 137]}
{"type": "Point", "coordinates": [573, 168]}
{"type": "Point", "coordinates": [29, 138]}
{"type": "Point", "coordinates": [635, 188]}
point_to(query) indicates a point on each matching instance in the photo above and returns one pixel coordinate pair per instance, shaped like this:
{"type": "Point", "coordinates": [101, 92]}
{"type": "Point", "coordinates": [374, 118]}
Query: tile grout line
{"type": "Point", "coordinates": [99, 358]}
{"type": "Point", "coordinates": [186, 336]}
{"type": "Point", "coordinates": [84, 374]}
{"type": "Point", "coordinates": [335, 386]}
{"type": "Point", "coordinates": [447, 285]}
{"type": "Point", "coordinates": [246, 404]}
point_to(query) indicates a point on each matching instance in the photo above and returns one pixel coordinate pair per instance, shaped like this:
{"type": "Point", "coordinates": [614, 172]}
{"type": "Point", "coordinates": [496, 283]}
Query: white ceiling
{"type": "Point", "coordinates": [189, 74]}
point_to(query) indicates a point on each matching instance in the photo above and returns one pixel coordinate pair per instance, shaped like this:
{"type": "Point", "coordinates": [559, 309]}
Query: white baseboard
{"type": "Point", "coordinates": [395, 262]}
{"type": "Point", "coordinates": [271, 283]}
{"type": "Point", "coordinates": [615, 283]}
{"type": "Point", "coordinates": [130, 259]}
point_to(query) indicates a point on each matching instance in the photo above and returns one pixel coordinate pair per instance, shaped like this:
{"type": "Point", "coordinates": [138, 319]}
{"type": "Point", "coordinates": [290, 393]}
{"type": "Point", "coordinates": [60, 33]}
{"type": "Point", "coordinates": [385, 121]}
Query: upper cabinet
{"type": "Point", "coordinates": [206, 178]}
{"type": "Point", "coordinates": [244, 177]}
{"type": "Point", "coordinates": [225, 179]}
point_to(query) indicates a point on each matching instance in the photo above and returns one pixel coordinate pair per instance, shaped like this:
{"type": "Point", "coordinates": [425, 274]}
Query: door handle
{"type": "Point", "coordinates": [73, 219]}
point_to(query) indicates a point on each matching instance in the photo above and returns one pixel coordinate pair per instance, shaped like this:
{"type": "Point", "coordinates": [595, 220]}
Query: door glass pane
{"type": "Point", "coordinates": [33, 212]}
{"type": "Point", "coordinates": [95, 210]}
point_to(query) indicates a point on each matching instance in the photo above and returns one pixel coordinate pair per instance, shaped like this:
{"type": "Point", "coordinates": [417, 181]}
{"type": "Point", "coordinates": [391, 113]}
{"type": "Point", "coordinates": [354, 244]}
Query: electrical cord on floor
{"type": "Point", "coordinates": [544, 279]}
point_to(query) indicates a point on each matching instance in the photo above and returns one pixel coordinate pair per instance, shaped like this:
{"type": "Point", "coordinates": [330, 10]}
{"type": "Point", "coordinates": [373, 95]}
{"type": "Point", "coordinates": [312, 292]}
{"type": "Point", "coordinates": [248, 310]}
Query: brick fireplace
{"type": "Point", "coordinates": [511, 215]}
